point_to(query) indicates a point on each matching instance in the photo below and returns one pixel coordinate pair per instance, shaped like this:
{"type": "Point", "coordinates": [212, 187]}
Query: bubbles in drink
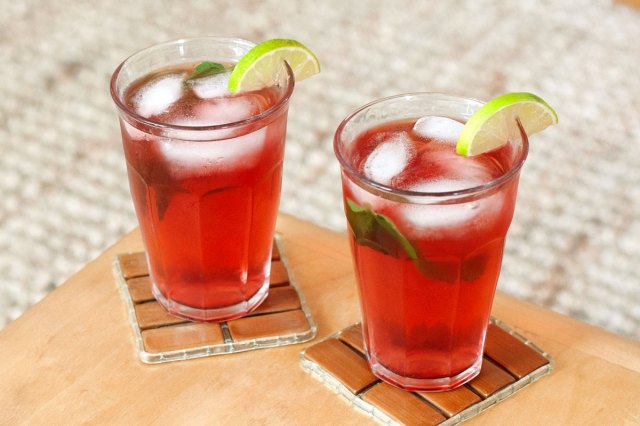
{"type": "Point", "coordinates": [213, 86]}
{"type": "Point", "coordinates": [389, 159]}
{"type": "Point", "coordinates": [442, 129]}
{"type": "Point", "coordinates": [159, 95]}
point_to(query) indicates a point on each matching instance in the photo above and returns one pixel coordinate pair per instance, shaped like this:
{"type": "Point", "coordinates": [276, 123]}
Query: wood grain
{"type": "Point", "coordinates": [134, 265]}
{"type": "Point", "coordinates": [453, 401]}
{"type": "Point", "coordinates": [272, 325]}
{"type": "Point", "coordinates": [183, 336]}
{"type": "Point", "coordinates": [279, 299]}
{"type": "Point", "coordinates": [140, 289]}
{"type": "Point", "coordinates": [353, 337]}
{"type": "Point", "coordinates": [504, 349]}
{"type": "Point", "coordinates": [278, 274]}
{"type": "Point", "coordinates": [631, 3]}
{"type": "Point", "coordinates": [404, 407]}
{"type": "Point", "coordinates": [343, 363]}
{"type": "Point", "coordinates": [71, 359]}
{"type": "Point", "coordinates": [490, 379]}
{"type": "Point", "coordinates": [152, 314]}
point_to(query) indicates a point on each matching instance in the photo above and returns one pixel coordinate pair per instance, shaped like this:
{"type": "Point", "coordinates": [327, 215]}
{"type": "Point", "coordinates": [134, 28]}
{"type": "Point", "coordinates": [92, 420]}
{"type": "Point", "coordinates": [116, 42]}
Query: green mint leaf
{"type": "Point", "coordinates": [380, 233]}
{"type": "Point", "coordinates": [377, 231]}
{"type": "Point", "coordinates": [389, 226]}
{"type": "Point", "coordinates": [360, 219]}
{"type": "Point", "coordinates": [205, 69]}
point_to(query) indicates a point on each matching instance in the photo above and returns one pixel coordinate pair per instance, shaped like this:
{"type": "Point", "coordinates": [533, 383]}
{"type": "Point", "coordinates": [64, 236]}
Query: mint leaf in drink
{"type": "Point", "coordinates": [377, 231]}
{"type": "Point", "coordinates": [206, 69]}
{"type": "Point", "coordinates": [380, 233]}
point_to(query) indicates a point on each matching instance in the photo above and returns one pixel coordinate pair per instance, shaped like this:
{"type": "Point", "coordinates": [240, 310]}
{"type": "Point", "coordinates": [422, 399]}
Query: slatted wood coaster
{"type": "Point", "coordinates": [282, 319]}
{"type": "Point", "coordinates": [510, 363]}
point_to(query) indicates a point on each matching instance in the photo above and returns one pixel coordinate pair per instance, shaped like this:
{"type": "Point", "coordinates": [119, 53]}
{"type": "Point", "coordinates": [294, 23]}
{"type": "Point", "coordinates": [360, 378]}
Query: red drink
{"type": "Point", "coordinates": [427, 243]}
{"type": "Point", "coordinates": [205, 171]}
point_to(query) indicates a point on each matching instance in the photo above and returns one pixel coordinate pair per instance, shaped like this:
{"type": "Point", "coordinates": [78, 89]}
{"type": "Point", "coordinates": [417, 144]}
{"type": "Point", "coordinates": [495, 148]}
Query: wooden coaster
{"type": "Point", "coordinates": [510, 362]}
{"type": "Point", "coordinates": [282, 319]}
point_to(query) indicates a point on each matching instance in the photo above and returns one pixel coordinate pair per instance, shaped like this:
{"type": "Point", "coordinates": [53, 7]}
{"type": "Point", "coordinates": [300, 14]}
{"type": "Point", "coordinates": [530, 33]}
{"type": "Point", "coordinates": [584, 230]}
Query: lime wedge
{"type": "Point", "coordinates": [494, 123]}
{"type": "Point", "coordinates": [260, 66]}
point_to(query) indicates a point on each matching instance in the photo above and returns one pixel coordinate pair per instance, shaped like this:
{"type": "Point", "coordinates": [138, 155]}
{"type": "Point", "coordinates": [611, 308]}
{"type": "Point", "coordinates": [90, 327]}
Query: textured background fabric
{"type": "Point", "coordinates": [575, 241]}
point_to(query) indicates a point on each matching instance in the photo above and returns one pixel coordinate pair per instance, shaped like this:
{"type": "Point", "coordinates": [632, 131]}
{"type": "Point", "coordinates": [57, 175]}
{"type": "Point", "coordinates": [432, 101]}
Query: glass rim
{"type": "Point", "coordinates": [231, 125]}
{"type": "Point", "coordinates": [394, 192]}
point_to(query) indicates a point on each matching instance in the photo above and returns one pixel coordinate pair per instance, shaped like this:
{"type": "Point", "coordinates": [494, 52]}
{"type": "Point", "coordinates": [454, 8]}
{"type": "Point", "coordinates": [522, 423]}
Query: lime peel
{"type": "Point", "coordinates": [261, 65]}
{"type": "Point", "coordinates": [494, 123]}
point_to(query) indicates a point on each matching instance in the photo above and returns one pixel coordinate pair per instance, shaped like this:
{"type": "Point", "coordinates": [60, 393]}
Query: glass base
{"type": "Point", "coordinates": [430, 385]}
{"type": "Point", "coordinates": [216, 314]}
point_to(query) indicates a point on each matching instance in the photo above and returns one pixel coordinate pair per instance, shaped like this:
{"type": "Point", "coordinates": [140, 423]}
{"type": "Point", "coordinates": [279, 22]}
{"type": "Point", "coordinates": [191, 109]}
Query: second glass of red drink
{"type": "Point", "coordinates": [427, 229]}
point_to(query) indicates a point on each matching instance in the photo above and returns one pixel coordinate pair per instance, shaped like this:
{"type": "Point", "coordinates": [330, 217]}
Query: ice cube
{"type": "Point", "coordinates": [440, 128]}
{"type": "Point", "coordinates": [389, 159]}
{"type": "Point", "coordinates": [436, 222]}
{"type": "Point", "coordinates": [158, 96]}
{"type": "Point", "coordinates": [224, 110]}
{"type": "Point", "coordinates": [211, 87]}
{"type": "Point", "coordinates": [193, 158]}
{"type": "Point", "coordinates": [450, 220]}
{"type": "Point", "coordinates": [230, 109]}
{"type": "Point", "coordinates": [216, 112]}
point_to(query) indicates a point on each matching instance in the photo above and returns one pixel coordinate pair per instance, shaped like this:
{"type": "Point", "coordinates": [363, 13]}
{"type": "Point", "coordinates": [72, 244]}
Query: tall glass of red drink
{"type": "Point", "coordinates": [427, 229]}
{"type": "Point", "coordinates": [205, 170]}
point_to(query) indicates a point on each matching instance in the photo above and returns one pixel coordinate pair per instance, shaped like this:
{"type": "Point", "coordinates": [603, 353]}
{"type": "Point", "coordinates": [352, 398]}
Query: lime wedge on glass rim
{"type": "Point", "coordinates": [260, 66]}
{"type": "Point", "coordinates": [494, 123]}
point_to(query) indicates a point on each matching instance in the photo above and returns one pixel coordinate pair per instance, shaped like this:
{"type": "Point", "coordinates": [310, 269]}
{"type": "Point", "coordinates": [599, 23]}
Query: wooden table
{"type": "Point", "coordinates": [70, 359]}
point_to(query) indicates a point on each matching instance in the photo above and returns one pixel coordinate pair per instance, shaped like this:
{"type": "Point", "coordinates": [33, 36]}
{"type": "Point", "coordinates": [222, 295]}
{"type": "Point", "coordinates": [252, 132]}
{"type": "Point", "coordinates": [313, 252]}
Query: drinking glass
{"type": "Point", "coordinates": [206, 195]}
{"type": "Point", "coordinates": [426, 260]}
